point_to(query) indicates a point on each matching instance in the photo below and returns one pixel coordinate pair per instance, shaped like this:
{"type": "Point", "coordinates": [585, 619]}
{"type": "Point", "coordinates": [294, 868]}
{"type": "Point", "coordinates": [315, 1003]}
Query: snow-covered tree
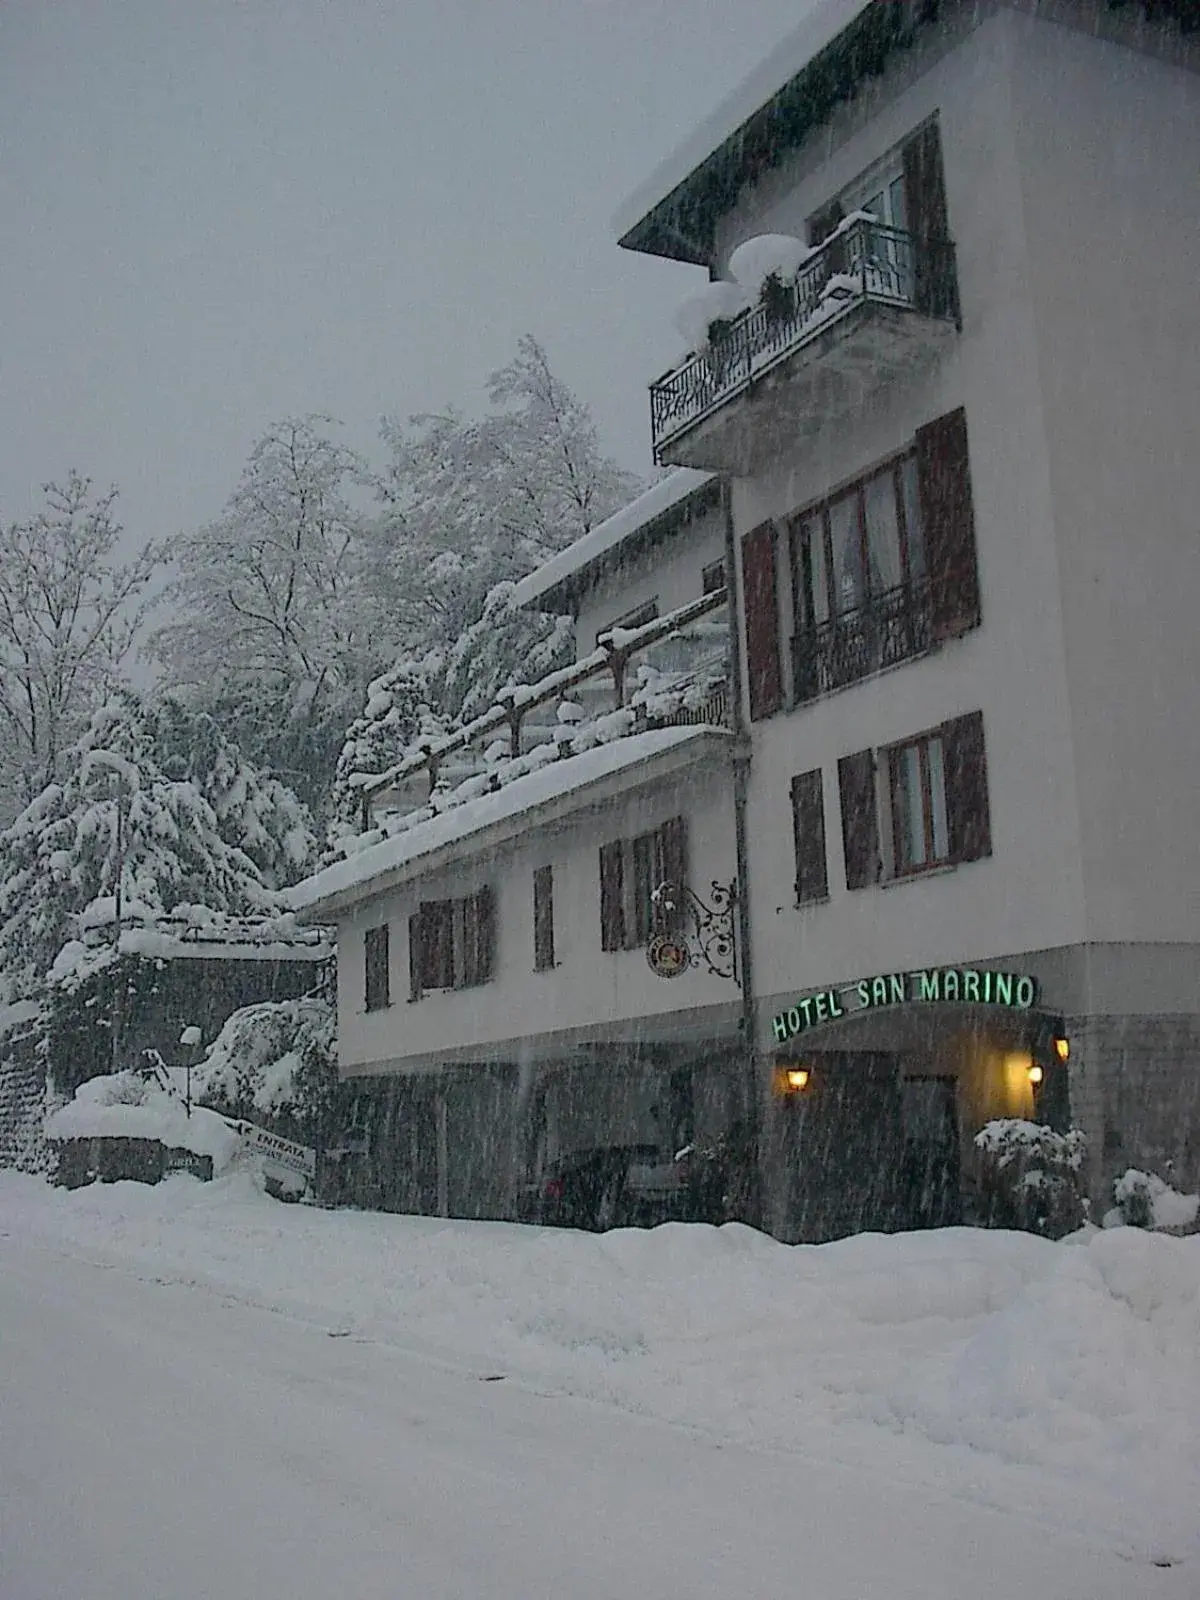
{"type": "Point", "coordinates": [398, 710]}
{"type": "Point", "coordinates": [118, 837]}
{"type": "Point", "coordinates": [254, 810]}
{"type": "Point", "coordinates": [470, 503]}
{"type": "Point", "coordinates": [274, 1062]}
{"type": "Point", "coordinates": [273, 630]}
{"type": "Point", "coordinates": [505, 645]}
{"type": "Point", "coordinates": [69, 612]}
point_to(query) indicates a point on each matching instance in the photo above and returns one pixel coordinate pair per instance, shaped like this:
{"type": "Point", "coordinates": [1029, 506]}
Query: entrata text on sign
{"type": "Point", "coordinates": [939, 985]}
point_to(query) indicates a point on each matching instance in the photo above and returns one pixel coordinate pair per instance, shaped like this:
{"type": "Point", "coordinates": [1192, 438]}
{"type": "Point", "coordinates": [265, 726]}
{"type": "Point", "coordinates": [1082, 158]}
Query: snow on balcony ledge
{"type": "Point", "coordinates": [488, 819]}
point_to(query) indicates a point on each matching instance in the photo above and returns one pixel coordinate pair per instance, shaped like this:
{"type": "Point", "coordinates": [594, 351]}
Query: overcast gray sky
{"type": "Point", "coordinates": [220, 212]}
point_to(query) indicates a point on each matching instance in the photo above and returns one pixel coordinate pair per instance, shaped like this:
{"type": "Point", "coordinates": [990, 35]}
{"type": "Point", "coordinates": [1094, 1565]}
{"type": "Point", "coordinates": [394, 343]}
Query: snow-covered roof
{"type": "Point", "coordinates": [813, 34]}
{"type": "Point", "coordinates": [550, 584]}
{"type": "Point", "coordinates": [491, 819]}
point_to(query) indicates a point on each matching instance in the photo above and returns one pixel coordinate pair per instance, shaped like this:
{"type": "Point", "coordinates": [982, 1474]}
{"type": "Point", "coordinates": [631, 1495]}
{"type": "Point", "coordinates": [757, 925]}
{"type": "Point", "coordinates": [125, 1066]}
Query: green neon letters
{"type": "Point", "coordinates": [1016, 991]}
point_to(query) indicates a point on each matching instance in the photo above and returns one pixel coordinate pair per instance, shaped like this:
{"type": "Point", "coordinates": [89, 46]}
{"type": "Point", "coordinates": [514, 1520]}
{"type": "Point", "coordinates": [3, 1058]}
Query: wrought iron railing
{"type": "Point", "coordinates": [889, 628]}
{"type": "Point", "coordinates": [863, 262]}
{"type": "Point", "coordinates": [713, 711]}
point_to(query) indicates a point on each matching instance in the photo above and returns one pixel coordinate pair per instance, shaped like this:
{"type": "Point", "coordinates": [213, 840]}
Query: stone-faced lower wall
{"type": "Point", "coordinates": [1135, 1092]}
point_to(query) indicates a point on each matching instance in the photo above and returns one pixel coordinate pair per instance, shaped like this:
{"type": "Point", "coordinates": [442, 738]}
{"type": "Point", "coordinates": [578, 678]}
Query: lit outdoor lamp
{"type": "Point", "coordinates": [794, 1079]}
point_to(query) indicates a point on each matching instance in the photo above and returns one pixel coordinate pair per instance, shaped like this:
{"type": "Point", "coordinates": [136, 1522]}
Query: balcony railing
{"type": "Point", "coordinates": [889, 628]}
{"type": "Point", "coordinates": [864, 263]}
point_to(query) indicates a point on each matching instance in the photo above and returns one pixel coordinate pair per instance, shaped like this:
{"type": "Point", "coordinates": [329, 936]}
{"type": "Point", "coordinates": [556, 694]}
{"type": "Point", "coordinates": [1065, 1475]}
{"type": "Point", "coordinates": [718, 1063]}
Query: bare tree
{"type": "Point", "coordinates": [69, 614]}
{"type": "Point", "coordinates": [270, 626]}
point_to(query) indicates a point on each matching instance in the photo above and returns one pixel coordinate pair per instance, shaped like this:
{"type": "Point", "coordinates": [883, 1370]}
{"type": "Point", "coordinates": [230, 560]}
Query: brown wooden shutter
{"type": "Point", "coordinates": [671, 867]}
{"type": "Point", "coordinates": [967, 809]}
{"type": "Point", "coordinates": [543, 919]}
{"type": "Point", "coordinates": [948, 515]}
{"type": "Point", "coordinates": [484, 906]}
{"type": "Point", "coordinates": [377, 959]}
{"type": "Point", "coordinates": [612, 896]}
{"type": "Point", "coordinates": [415, 964]}
{"type": "Point", "coordinates": [639, 913]}
{"type": "Point", "coordinates": [935, 288]}
{"type": "Point", "coordinates": [762, 622]}
{"type": "Point", "coordinates": [819, 229]}
{"type": "Point", "coordinates": [808, 831]}
{"type": "Point", "coordinates": [437, 945]}
{"type": "Point", "coordinates": [860, 820]}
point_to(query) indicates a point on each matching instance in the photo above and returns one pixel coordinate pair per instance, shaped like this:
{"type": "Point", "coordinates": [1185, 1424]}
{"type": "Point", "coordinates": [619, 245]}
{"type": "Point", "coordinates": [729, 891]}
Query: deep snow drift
{"type": "Point", "coordinates": [1059, 1381]}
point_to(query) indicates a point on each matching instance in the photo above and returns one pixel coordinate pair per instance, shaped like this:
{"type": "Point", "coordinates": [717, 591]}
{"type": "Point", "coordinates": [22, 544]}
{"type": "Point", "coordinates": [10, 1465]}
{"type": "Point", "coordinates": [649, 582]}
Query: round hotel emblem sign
{"type": "Point", "coordinates": [668, 955]}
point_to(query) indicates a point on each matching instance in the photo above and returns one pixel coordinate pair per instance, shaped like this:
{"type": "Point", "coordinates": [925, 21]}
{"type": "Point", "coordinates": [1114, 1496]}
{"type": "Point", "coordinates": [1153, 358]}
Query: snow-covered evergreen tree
{"type": "Point", "coordinates": [254, 811]}
{"type": "Point", "coordinates": [398, 711]}
{"type": "Point", "coordinates": [119, 834]}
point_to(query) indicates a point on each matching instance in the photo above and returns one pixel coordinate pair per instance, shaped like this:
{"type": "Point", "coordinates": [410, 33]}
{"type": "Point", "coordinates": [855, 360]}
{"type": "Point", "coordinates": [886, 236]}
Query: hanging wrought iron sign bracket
{"type": "Point", "coordinates": [707, 938]}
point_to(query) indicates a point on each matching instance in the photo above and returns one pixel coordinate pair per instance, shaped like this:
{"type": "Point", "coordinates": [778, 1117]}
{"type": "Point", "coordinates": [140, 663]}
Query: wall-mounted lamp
{"type": "Point", "coordinates": [1062, 1047]}
{"type": "Point", "coordinates": [794, 1080]}
{"type": "Point", "coordinates": [1036, 1074]}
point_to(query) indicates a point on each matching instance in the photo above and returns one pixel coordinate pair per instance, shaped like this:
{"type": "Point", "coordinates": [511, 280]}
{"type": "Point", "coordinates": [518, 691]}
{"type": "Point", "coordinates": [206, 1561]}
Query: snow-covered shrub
{"type": "Point", "coordinates": [1031, 1177]}
{"type": "Point", "coordinates": [273, 1063]}
{"type": "Point", "coordinates": [1145, 1201]}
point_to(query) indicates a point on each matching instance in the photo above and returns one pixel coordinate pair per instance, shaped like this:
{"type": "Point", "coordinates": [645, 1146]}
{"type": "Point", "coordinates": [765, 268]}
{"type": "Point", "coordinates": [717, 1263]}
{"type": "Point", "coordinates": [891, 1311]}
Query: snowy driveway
{"type": "Point", "coordinates": [161, 1440]}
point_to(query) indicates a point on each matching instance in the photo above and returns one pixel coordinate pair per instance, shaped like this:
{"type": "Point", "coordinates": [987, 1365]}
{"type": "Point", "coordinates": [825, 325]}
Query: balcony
{"type": "Point", "coordinates": [888, 629]}
{"type": "Point", "coordinates": [869, 304]}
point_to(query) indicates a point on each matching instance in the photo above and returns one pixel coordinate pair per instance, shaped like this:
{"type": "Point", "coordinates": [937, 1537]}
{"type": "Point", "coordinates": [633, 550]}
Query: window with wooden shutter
{"type": "Point", "coordinates": [935, 288]}
{"type": "Point", "coordinates": [860, 820]}
{"type": "Point", "coordinates": [612, 896]}
{"type": "Point", "coordinates": [763, 676]}
{"type": "Point", "coordinates": [543, 919]}
{"type": "Point", "coordinates": [671, 868]}
{"type": "Point", "coordinates": [948, 518]}
{"type": "Point", "coordinates": [967, 807]}
{"type": "Point", "coordinates": [376, 953]}
{"type": "Point", "coordinates": [808, 832]}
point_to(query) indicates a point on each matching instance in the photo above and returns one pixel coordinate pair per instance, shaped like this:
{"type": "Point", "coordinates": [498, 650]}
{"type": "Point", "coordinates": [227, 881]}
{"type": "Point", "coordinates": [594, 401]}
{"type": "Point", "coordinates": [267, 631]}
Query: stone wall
{"type": "Point", "coordinates": [22, 1098]}
{"type": "Point", "coordinates": [1135, 1092]}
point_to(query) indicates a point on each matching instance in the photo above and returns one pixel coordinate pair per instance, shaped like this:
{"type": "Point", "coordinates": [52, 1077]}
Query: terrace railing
{"type": "Point", "coordinates": [864, 262]}
{"type": "Point", "coordinates": [889, 628]}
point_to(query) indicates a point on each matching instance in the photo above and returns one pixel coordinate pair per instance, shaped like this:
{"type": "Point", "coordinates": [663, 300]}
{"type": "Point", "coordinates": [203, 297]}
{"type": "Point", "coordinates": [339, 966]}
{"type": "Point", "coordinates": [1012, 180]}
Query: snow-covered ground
{"type": "Point", "coordinates": [935, 1414]}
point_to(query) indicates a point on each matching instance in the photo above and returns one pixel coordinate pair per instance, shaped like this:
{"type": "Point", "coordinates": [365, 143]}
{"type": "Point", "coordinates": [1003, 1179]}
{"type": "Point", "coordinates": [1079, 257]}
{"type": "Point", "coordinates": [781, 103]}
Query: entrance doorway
{"type": "Point", "coordinates": [930, 1186]}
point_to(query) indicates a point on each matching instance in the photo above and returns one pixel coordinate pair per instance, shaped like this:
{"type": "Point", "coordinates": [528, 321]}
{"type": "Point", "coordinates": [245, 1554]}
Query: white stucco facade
{"type": "Point", "coordinates": [1070, 146]}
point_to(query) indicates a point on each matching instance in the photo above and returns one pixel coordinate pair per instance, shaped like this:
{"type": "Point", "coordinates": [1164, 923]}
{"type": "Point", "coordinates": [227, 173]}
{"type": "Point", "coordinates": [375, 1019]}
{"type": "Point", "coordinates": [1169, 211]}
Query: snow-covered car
{"type": "Point", "coordinates": [613, 1186]}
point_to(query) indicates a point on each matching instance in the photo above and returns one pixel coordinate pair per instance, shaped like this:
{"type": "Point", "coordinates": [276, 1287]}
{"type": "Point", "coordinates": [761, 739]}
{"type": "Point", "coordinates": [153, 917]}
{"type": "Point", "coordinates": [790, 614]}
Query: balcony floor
{"type": "Point", "coordinates": [814, 385]}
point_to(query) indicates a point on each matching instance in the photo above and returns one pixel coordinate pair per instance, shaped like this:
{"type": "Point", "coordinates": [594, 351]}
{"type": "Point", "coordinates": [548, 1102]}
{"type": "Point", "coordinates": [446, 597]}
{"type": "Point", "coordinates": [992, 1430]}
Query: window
{"type": "Point", "coordinates": [920, 829]}
{"type": "Point", "coordinates": [452, 943]}
{"type": "Point", "coordinates": [377, 957]}
{"type": "Point", "coordinates": [637, 618]}
{"type": "Point", "coordinates": [712, 578]}
{"type": "Point", "coordinates": [885, 568]}
{"type": "Point", "coordinates": [908, 256]}
{"type": "Point", "coordinates": [937, 799]}
{"type": "Point", "coordinates": [808, 833]}
{"type": "Point", "coordinates": [543, 919]}
{"type": "Point", "coordinates": [631, 870]}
